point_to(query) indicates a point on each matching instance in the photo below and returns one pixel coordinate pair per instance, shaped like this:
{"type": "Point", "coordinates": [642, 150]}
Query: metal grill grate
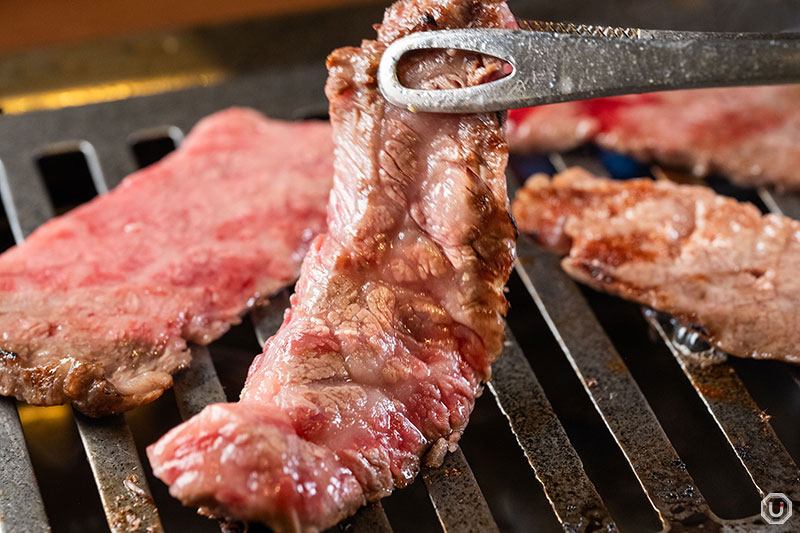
{"type": "Point", "coordinates": [104, 130]}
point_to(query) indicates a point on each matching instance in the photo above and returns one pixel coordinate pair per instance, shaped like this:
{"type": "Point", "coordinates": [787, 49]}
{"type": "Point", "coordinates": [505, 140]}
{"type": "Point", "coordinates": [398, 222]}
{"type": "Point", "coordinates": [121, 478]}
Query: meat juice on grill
{"type": "Point", "coordinates": [749, 134]}
{"type": "Point", "coordinates": [398, 311]}
{"type": "Point", "coordinates": [97, 306]}
{"type": "Point", "coordinates": [682, 249]}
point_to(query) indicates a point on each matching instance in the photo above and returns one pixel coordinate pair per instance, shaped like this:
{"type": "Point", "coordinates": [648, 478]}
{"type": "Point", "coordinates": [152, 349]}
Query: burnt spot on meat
{"type": "Point", "coordinates": [8, 355]}
{"type": "Point", "coordinates": [429, 20]}
{"type": "Point", "coordinates": [514, 223]}
{"type": "Point", "coordinates": [616, 250]}
{"type": "Point", "coordinates": [598, 273]}
{"type": "Point", "coordinates": [755, 272]}
{"type": "Point", "coordinates": [493, 240]}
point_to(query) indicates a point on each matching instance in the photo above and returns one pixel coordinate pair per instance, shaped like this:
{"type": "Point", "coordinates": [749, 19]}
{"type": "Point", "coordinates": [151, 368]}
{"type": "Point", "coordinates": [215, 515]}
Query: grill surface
{"type": "Point", "coordinates": [103, 133]}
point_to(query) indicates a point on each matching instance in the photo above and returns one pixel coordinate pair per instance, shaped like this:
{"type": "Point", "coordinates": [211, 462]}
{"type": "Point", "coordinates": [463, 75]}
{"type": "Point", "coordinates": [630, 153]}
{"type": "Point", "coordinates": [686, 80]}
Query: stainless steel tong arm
{"type": "Point", "coordinates": [592, 62]}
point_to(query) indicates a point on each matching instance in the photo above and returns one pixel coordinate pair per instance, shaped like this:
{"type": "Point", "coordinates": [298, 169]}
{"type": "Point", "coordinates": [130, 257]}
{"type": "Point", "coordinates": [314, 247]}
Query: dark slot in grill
{"type": "Point", "coordinates": [577, 350]}
{"type": "Point", "coordinates": [68, 176]}
{"type": "Point", "coordinates": [150, 145]}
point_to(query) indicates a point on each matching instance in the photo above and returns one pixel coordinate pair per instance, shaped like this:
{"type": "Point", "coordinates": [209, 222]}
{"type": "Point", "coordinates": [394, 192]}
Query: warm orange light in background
{"type": "Point", "coordinates": [105, 92]}
{"type": "Point", "coordinates": [26, 24]}
{"type": "Point", "coordinates": [30, 414]}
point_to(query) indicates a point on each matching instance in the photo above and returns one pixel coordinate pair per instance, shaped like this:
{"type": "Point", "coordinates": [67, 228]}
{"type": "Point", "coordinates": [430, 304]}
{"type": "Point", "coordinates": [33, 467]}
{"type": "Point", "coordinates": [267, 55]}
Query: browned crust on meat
{"type": "Point", "coordinates": [706, 259]}
{"type": "Point", "coordinates": [86, 385]}
{"type": "Point", "coordinates": [353, 74]}
{"type": "Point", "coordinates": [410, 16]}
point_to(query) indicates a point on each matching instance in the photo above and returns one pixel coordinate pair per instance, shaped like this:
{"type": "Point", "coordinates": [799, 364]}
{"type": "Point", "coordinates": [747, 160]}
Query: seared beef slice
{"type": "Point", "coordinates": [686, 250]}
{"type": "Point", "coordinates": [398, 310]}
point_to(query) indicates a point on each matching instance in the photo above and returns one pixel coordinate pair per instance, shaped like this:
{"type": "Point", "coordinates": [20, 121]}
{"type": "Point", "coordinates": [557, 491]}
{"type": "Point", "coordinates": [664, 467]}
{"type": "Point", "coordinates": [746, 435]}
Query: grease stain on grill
{"type": "Point", "coordinates": [126, 516]}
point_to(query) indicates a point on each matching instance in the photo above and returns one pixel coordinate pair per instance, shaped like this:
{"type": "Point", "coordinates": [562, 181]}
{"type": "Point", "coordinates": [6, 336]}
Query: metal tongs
{"type": "Point", "coordinates": [557, 62]}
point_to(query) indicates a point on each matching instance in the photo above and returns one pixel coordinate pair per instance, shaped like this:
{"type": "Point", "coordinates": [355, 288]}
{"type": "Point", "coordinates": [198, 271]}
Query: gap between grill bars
{"type": "Point", "coordinates": [455, 493]}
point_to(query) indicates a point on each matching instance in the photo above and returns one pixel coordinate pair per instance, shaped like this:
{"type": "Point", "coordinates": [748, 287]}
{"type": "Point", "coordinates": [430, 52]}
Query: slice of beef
{"type": "Point", "coordinates": [704, 258]}
{"type": "Point", "coordinates": [398, 310]}
{"type": "Point", "coordinates": [749, 134]}
{"type": "Point", "coordinates": [97, 306]}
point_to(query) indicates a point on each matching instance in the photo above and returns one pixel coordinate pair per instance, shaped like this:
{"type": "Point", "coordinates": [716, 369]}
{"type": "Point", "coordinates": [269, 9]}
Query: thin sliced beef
{"type": "Point", "coordinates": [97, 306]}
{"type": "Point", "coordinates": [397, 314]}
{"type": "Point", "coordinates": [749, 134]}
{"type": "Point", "coordinates": [704, 258]}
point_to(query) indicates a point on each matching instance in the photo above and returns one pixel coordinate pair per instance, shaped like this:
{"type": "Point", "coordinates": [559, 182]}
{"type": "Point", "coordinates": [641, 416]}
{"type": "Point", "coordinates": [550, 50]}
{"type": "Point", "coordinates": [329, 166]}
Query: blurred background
{"type": "Point", "coordinates": [55, 53]}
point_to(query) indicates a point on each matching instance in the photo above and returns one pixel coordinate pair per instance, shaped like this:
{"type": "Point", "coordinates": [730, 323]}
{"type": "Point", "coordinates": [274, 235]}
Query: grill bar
{"type": "Point", "coordinates": [197, 386]}
{"type": "Point", "coordinates": [21, 186]}
{"type": "Point", "coordinates": [606, 379]}
{"type": "Point", "coordinates": [545, 443]}
{"type": "Point", "coordinates": [457, 498]}
{"type": "Point", "coordinates": [781, 203]}
{"type": "Point", "coordinates": [21, 506]}
{"type": "Point", "coordinates": [561, 162]}
{"type": "Point", "coordinates": [115, 157]}
{"type": "Point", "coordinates": [368, 519]}
{"type": "Point", "coordinates": [745, 426]}
{"type": "Point", "coordinates": [93, 163]}
{"type": "Point", "coordinates": [9, 206]}
{"type": "Point", "coordinates": [108, 442]}
{"type": "Point", "coordinates": [118, 473]}
{"type": "Point", "coordinates": [267, 319]}
{"type": "Point", "coordinates": [611, 387]}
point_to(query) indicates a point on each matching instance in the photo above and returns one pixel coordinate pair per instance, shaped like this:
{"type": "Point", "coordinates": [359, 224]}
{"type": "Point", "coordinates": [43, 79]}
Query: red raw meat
{"type": "Point", "coordinates": [97, 306]}
{"type": "Point", "coordinates": [749, 134]}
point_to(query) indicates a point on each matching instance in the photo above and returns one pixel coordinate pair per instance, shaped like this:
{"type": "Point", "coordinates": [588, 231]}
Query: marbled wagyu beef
{"type": "Point", "coordinates": [398, 310]}
{"type": "Point", "coordinates": [97, 306]}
